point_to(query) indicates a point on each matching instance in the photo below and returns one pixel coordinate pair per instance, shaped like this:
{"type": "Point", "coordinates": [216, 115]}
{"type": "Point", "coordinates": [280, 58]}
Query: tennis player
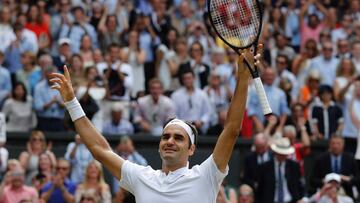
{"type": "Point", "coordinates": [175, 182]}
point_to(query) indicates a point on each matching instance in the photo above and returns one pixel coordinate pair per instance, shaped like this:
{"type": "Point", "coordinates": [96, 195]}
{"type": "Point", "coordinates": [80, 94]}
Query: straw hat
{"type": "Point", "coordinates": [282, 146]}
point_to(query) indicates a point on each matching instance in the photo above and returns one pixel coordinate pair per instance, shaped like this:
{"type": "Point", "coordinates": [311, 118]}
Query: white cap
{"type": "Point", "coordinates": [332, 177]}
{"type": "Point", "coordinates": [64, 41]}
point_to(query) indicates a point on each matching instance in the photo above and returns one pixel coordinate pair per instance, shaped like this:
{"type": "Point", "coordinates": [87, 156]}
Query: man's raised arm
{"type": "Point", "coordinates": [227, 139]}
{"type": "Point", "coordinates": [94, 141]}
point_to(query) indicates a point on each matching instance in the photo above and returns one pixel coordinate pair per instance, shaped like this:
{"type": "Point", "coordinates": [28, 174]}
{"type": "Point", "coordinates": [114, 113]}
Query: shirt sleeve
{"type": "Point", "coordinates": [129, 175]}
{"type": "Point", "coordinates": [211, 171]}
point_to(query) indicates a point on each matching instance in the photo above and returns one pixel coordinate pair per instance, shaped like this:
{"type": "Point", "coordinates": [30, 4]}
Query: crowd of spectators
{"type": "Point", "coordinates": [136, 63]}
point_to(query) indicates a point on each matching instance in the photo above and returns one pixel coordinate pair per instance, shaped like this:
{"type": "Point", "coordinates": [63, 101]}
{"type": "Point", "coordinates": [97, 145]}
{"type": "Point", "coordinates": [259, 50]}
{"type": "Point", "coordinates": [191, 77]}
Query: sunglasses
{"type": "Point", "coordinates": [62, 168]}
{"type": "Point", "coordinates": [37, 139]}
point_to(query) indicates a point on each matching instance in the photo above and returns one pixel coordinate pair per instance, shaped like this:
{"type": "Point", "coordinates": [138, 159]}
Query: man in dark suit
{"type": "Point", "coordinates": [336, 161]}
{"type": "Point", "coordinates": [254, 159]}
{"type": "Point", "coordinates": [279, 179]}
{"type": "Point", "coordinates": [200, 69]}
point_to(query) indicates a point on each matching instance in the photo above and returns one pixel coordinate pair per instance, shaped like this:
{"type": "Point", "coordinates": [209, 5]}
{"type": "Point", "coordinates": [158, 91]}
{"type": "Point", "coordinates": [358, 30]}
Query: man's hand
{"type": "Point", "coordinates": [63, 84]}
{"type": "Point", "coordinates": [58, 181]}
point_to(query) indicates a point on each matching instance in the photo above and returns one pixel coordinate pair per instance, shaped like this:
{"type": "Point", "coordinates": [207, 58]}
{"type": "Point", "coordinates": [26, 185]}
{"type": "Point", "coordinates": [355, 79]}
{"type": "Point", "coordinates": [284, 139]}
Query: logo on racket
{"type": "Point", "coordinates": [234, 13]}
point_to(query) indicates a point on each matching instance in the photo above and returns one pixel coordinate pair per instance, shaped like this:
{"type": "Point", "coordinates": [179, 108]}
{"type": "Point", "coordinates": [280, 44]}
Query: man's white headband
{"type": "Point", "coordinates": [185, 126]}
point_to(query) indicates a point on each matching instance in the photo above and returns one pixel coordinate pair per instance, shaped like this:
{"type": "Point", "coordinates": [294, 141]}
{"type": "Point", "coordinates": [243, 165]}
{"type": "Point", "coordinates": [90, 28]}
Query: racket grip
{"type": "Point", "coordinates": [262, 96]}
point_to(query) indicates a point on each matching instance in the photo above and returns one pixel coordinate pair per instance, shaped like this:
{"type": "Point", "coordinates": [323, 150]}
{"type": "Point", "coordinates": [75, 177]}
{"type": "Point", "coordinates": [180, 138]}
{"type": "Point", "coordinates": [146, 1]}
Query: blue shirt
{"type": "Point", "coordinates": [292, 28]}
{"type": "Point", "coordinates": [13, 54]}
{"type": "Point", "coordinates": [5, 84]}
{"type": "Point", "coordinates": [79, 162]}
{"type": "Point", "coordinates": [326, 68]}
{"type": "Point", "coordinates": [43, 94]}
{"type": "Point", "coordinates": [277, 101]}
{"type": "Point", "coordinates": [56, 196]}
{"type": "Point", "coordinates": [75, 33]}
{"type": "Point", "coordinates": [124, 127]}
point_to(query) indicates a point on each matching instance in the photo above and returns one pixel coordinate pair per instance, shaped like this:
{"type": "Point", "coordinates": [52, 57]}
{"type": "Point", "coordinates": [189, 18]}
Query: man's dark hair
{"type": "Point", "coordinates": [193, 129]}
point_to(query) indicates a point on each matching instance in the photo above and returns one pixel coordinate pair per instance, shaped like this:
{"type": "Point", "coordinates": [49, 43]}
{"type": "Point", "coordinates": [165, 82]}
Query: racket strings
{"type": "Point", "coordinates": [237, 21]}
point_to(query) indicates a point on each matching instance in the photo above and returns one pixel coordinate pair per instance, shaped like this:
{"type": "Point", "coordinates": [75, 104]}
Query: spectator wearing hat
{"type": "Point", "coordinates": [326, 116]}
{"type": "Point", "coordinates": [64, 55]}
{"type": "Point", "coordinates": [279, 179]}
{"type": "Point", "coordinates": [77, 29]}
{"type": "Point", "coordinates": [335, 161]}
{"type": "Point", "coordinates": [5, 81]}
{"type": "Point", "coordinates": [330, 191]}
{"type": "Point", "coordinates": [118, 124]}
{"type": "Point", "coordinates": [48, 104]}
{"type": "Point", "coordinates": [326, 64]}
{"type": "Point", "coordinates": [191, 103]}
{"type": "Point", "coordinates": [154, 110]}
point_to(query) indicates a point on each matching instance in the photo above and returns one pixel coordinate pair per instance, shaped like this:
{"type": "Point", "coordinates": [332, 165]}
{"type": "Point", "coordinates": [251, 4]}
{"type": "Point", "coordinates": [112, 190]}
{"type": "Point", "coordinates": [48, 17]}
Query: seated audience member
{"type": "Point", "coordinates": [18, 110]}
{"type": "Point", "coordinates": [79, 157]}
{"type": "Point", "coordinates": [191, 103]}
{"type": "Point", "coordinates": [29, 159]}
{"type": "Point", "coordinates": [94, 181]}
{"type": "Point", "coordinates": [13, 189]}
{"type": "Point", "coordinates": [61, 188]}
{"type": "Point", "coordinates": [117, 125]}
{"type": "Point", "coordinates": [336, 161]}
{"type": "Point", "coordinates": [330, 192]}
{"type": "Point", "coordinates": [279, 179]}
{"type": "Point", "coordinates": [326, 115]}
{"type": "Point", "coordinates": [152, 111]}
{"type": "Point", "coordinates": [246, 194]}
{"type": "Point", "coordinates": [254, 159]}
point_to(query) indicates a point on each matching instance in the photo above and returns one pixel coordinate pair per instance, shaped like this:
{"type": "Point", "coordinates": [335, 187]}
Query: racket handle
{"type": "Point", "coordinates": [262, 96]}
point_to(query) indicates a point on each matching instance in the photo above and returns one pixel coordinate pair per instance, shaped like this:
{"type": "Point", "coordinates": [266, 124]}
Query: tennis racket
{"type": "Point", "coordinates": [238, 24]}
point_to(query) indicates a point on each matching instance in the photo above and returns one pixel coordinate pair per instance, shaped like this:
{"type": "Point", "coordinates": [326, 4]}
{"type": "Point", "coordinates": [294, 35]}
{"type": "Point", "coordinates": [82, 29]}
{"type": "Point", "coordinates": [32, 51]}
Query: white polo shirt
{"type": "Point", "coordinates": [201, 183]}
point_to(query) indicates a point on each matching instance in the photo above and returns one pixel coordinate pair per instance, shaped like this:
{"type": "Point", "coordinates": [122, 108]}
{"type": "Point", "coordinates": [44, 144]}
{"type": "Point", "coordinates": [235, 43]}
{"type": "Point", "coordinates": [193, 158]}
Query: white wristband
{"type": "Point", "coordinates": [75, 109]}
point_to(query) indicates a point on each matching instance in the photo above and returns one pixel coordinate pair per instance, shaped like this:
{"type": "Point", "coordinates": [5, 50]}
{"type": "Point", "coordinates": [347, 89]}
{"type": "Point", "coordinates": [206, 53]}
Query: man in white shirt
{"type": "Point", "coordinates": [191, 103]}
{"type": "Point", "coordinates": [154, 110]}
{"type": "Point", "coordinates": [175, 182]}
